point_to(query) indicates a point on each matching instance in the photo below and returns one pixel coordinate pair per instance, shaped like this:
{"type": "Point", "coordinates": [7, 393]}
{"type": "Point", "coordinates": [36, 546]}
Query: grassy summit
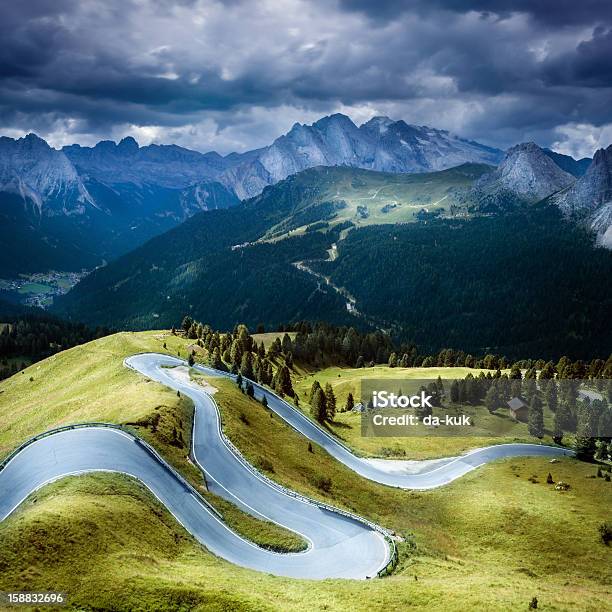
{"type": "Point", "coordinates": [90, 383]}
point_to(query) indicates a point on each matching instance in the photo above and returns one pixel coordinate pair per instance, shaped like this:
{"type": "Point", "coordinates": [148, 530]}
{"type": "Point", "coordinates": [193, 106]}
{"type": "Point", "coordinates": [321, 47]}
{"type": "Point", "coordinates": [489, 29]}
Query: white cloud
{"type": "Point", "coordinates": [582, 139]}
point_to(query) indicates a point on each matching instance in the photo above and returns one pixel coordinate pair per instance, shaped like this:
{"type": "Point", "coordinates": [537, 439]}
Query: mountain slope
{"type": "Point", "coordinates": [576, 167]}
{"type": "Point", "coordinates": [233, 254]}
{"type": "Point", "coordinates": [522, 282]}
{"type": "Point", "coordinates": [590, 199]}
{"type": "Point", "coordinates": [380, 144]}
{"type": "Point", "coordinates": [72, 209]}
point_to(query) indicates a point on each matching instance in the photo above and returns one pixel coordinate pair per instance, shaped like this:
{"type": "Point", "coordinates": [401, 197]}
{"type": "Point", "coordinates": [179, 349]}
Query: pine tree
{"type": "Point", "coordinates": [535, 422]}
{"type": "Point", "coordinates": [186, 324]}
{"type": "Point", "coordinates": [246, 365]}
{"type": "Point", "coordinates": [313, 389]}
{"type": "Point", "coordinates": [440, 385]}
{"type": "Point", "coordinates": [318, 408]}
{"type": "Point", "coordinates": [350, 403]}
{"type": "Point", "coordinates": [454, 392]}
{"type": "Point", "coordinates": [215, 360]}
{"type": "Point", "coordinates": [492, 399]}
{"type": "Point", "coordinates": [286, 345]}
{"type": "Point", "coordinates": [515, 372]}
{"type": "Point", "coordinates": [330, 402]}
{"type": "Point", "coordinates": [550, 396]}
{"type": "Point", "coordinates": [584, 442]}
{"type": "Point", "coordinates": [191, 359]}
{"type": "Point", "coordinates": [283, 384]}
{"type": "Point", "coordinates": [236, 353]}
{"type": "Point", "coordinates": [557, 428]}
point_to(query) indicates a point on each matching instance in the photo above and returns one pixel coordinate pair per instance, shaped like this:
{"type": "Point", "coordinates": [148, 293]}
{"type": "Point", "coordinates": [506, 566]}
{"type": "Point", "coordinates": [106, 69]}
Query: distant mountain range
{"type": "Point", "coordinates": [380, 144]}
{"type": "Point", "coordinates": [76, 207]}
{"type": "Point", "coordinates": [81, 206]}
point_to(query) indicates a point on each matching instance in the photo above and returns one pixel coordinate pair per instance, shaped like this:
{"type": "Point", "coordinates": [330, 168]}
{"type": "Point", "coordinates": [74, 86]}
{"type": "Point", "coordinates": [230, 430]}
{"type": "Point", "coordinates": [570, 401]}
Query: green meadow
{"type": "Point", "coordinates": [493, 539]}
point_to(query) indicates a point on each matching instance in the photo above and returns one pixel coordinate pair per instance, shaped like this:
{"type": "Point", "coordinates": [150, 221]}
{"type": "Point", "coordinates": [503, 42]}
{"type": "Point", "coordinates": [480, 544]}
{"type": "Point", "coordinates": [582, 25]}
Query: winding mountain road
{"type": "Point", "coordinates": [340, 546]}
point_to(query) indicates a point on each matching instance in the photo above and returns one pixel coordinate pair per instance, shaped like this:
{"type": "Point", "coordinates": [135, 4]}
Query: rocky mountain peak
{"type": "Point", "coordinates": [39, 174]}
{"type": "Point", "coordinates": [602, 157]}
{"type": "Point", "coordinates": [378, 124]}
{"type": "Point", "coordinates": [334, 119]}
{"type": "Point", "coordinates": [592, 190]}
{"type": "Point", "coordinates": [380, 144]}
{"type": "Point", "coordinates": [528, 173]}
{"type": "Point", "coordinates": [127, 146]}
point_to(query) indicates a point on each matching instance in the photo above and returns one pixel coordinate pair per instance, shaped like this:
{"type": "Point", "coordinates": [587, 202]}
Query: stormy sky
{"type": "Point", "coordinates": [234, 74]}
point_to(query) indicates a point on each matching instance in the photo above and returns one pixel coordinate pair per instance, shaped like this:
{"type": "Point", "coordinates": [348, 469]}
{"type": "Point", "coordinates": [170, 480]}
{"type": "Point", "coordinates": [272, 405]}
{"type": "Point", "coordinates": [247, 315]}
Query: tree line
{"type": "Point", "coordinates": [323, 344]}
{"type": "Point", "coordinates": [31, 338]}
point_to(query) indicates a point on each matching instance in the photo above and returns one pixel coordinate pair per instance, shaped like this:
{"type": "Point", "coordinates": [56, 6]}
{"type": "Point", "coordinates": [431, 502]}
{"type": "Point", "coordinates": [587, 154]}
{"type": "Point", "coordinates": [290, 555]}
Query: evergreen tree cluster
{"type": "Point", "coordinates": [557, 387]}
{"type": "Point", "coordinates": [525, 296]}
{"type": "Point", "coordinates": [237, 352]}
{"type": "Point", "coordinates": [33, 337]}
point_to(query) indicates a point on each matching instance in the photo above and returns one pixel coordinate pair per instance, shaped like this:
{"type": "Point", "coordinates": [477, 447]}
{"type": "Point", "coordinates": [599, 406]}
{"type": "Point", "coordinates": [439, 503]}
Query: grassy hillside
{"type": "Point", "coordinates": [90, 383]}
{"type": "Point", "coordinates": [155, 284]}
{"type": "Point", "coordinates": [492, 540]}
{"type": "Point", "coordinates": [524, 283]}
{"type": "Point", "coordinates": [365, 197]}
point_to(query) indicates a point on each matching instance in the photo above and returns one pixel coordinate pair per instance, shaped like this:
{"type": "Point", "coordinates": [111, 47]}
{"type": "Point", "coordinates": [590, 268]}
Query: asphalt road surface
{"type": "Point", "coordinates": [339, 546]}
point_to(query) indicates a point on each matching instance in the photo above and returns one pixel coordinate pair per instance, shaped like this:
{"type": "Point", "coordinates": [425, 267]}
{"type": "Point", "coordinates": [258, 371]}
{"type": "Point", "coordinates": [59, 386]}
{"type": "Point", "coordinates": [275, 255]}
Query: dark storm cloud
{"type": "Point", "coordinates": [236, 73]}
{"type": "Point", "coordinates": [552, 12]}
{"type": "Point", "coordinates": [588, 66]}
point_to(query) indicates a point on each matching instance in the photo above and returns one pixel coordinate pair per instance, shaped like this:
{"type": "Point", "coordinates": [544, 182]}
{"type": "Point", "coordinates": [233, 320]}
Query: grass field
{"type": "Point", "coordinates": [433, 443]}
{"type": "Point", "coordinates": [492, 540]}
{"type": "Point", "coordinates": [269, 337]}
{"type": "Point", "coordinates": [90, 383]}
{"type": "Point", "coordinates": [379, 198]}
{"type": "Point", "coordinates": [35, 288]}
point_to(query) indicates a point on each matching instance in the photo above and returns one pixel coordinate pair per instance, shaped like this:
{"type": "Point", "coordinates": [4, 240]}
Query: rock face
{"type": "Point", "coordinates": [526, 173]}
{"type": "Point", "coordinates": [41, 176]}
{"type": "Point", "coordinates": [601, 224]}
{"type": "Point", "coordinates": [164, 165]}
{"type": "Point", "coordinates": [590, 198]}
{"type": "Point", "coordinates": [380, 144]}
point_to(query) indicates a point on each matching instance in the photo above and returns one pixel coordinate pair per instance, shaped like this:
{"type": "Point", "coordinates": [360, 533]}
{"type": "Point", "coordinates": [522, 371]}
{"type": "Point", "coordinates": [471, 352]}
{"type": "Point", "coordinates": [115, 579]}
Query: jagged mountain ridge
{"type": "Point", "coordinates": [76, 207]}
{"type": "Point", "coordinates": [41, 176]}
{"type": "Point", "coordinates": [380, 144]}
{"type": "Point", "coordinates": [108, 199]}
